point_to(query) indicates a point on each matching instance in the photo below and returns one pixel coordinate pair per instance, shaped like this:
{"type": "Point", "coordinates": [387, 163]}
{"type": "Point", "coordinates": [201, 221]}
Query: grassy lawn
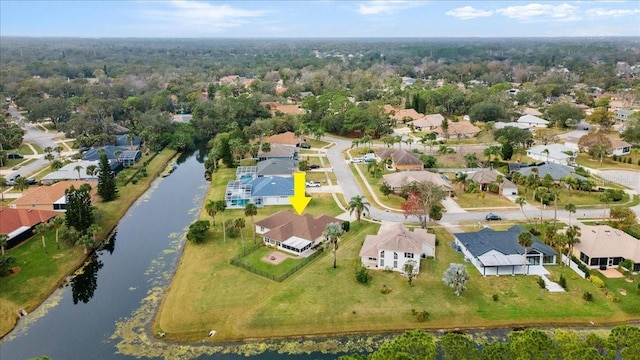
{"type": "Point", "coordinates": [607, 163]}
{"type": "Point", "coordinates": [467, 200]}
{"type": "Point", "coordinates": [578, 198]}
{"type": "Point", "coordinates": [41, 274]}
{"type": "Point", "coordinates": [317, 143]}
{"type": "Point", "coordinates": [256, 260]}
{"type": "Point", "coordinates": [393, 201]}
{"type": "Point", "coordinates": [205, 295]}
{"type": "Point", "coordinates": [321, 177]}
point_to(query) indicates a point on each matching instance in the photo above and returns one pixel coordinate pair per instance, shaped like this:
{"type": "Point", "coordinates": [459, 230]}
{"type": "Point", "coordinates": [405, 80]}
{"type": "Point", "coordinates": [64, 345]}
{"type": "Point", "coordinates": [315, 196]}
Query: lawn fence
{"type": "Point", "coordinates": [236, 261]}
{"type": "Point", "coordinates": [573, 266]}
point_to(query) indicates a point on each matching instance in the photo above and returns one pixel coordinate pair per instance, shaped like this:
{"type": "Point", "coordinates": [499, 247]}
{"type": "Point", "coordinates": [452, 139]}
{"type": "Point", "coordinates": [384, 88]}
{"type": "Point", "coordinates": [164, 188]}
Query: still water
{"type": "Point", "coordinates": [106, 311]}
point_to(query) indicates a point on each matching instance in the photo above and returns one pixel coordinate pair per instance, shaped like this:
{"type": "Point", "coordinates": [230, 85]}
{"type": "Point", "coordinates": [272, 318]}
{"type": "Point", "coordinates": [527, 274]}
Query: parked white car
{"type": "Point", "coordinates": [313, 184]}
{"type": "Point", "coordinates": [357, 160]}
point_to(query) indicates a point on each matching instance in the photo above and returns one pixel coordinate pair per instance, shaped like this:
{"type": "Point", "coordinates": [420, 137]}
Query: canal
{"type": "Point", "coordinates": [105, 311]}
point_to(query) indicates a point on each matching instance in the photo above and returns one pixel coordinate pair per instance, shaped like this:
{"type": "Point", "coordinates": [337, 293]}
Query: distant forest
{"type": "Point", "coordinates": [86, 86]}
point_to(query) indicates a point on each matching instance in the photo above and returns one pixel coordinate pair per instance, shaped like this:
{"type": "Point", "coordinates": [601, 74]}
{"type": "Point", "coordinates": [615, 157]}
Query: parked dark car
{"type": "Point", "coordinates": [313, 167]}
{"type": "Point", "coordinates": [32, 181]}
{"type": "Point", "coordinates": [491, 217]}
{"type": "Point", "coordinates": [305, 146]}
{"type": "Point", "coordinates": [14, 156]}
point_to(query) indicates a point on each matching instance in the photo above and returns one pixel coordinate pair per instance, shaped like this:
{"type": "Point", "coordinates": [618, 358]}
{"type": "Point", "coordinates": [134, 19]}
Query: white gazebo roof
{"type": "Point", "coordinates": [296, 242]}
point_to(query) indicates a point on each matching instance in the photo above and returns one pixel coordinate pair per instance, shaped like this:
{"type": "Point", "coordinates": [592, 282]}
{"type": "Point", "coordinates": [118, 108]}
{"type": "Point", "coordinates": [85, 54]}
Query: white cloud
{"type": "Point", "coordinates": [197, 13]}
{"type": "Point", "coordinates": [377, 7]}
{"type": "Point", "coordinates": [468, 12]}
{"type": "Point", "coordinates": [540, 12]}
{"type": "Point", "coordinates": [599, 12]}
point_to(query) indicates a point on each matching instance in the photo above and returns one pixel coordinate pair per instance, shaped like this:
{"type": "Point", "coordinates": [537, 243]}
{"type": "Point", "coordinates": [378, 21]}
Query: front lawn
{"type": "Point", "coordinates": [575, 197]}
{"type": "Point", "coordinates": [607, 163]}
{"type": "Point", "coordinates": [320, 300]}
{"type": "Point", "coordinates": [489, 200]}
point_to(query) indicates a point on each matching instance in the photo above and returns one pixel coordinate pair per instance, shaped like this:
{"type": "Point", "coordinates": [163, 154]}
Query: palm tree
{"type": "Point", "coordinates": [210, 208]}
{"type": "Point", "coordinates": [461, 178]}
{"type": "Point", "coordinates": [359, 205]}
{"type": "Point", "coordinates": [251, 210]}
{"type": "Point", "coordinates": [21, 184]}
{"type": "Point", "coordinates": [265, 147]}
{"type": "Point", "coordinates": [58, 149]}
{"type": "Point", "coordinates": [240, 224]}
{"type": "Point", "coordinates": [546, 151]}
{"type": "Point", "coordinates": [408, 141]}
{"type": "Point", "coordinates": [42, 229]}
{"type": "Point", "coordinates": [525, 240]}
{"type": "Point", "coordinates": [520, 201]}
{"type": "Point", "coordinates": [604, 199]}
{"type": "Point", "coordinates": [221, 206]}
{"type": "Point", "coordinates": [56, 223]}
{"type": "Point", "coordinates": [93, 229]}
{"type": "Point", "coordinates": [49, 158]}
{"type": "Point", "coordinates": [78, 168]}
{"type": "Point", "coordinates": [3, 187]}
{"type": "Point", "coordinates": [91, 169]}
{"type": "Point", "coordinates": [375, 168]}
{"type": "Point", "coordinates": [599, 151]}
{"type": "Point", "coordinates": [4, 240]}
{"type": "Point", "coordinates": [573, 237]}
{"type": "Point", "coordinates": [332, 233]}
{"type": "Point", "coordinates": [571, 209]}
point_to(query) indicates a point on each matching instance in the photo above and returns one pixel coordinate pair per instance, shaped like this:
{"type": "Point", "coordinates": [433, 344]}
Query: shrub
{"type": "Point", "coordinates": [385, 289]}
{"type": "Point", "coordinates": [362, 275]}
{"type": "Point", "coordinates": [625, 265]}
{"type": "Point", "coordinates": [346, 226]}
{"type": "Point", "coordinates": [596, 281]}
{"type": "Point", "coordinates": [422, 315]}
{"type": "Point", "coordinates": [587, 296]}
{"type": "Point", "coordinates": [6, 263]}
{"type": "Point", "coordinates": [615, 194]}
{"type": "Point", "coordinates": [563, 282]}
{"type": "Point", "coordinates": [581, 266]}
{"type": "Point", "coordinates": [495, 297]}
{"type": "Point", "coordinates": [615, 157]}
{"type": "Point", "coordinates": [638, 162]}
{"type": "Point", "coordinates": [540, 282]}
{"type": "Point", "coordinates": [628, 160]}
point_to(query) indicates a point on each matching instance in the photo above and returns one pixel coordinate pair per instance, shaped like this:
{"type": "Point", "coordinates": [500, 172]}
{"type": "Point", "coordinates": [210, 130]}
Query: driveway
{"type": "Point", "coordinates": [350, 189]}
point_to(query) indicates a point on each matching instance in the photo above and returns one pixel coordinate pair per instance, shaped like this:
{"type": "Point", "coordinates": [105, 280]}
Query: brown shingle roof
{"type": "Point", "coordinates": [617, 143]}
{"type": "Point", "coordinates": [410, 113]}
{"type": "Point", "coordinates": [285, 224]}
{"type": "Point", "coordinates": [400, 156]}
{"type": "Point", "coordinates": [460, 128]}
{"type": "Point", "coordinates": [429, 121]}
{"type": "Point", "coordinates": [285, 138]}
{"type": "Point", "coordinates": [13, 219]}
{"type": "Point", "coordinates": [44, 195]}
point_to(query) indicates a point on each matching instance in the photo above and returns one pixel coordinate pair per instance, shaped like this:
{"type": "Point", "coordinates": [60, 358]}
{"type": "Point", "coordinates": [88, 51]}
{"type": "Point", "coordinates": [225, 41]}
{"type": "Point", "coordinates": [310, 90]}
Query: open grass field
{"type": "Point", "coordinates": [608, 163]}
{"type": "Point", "coordinates": [208, 293]}
{"type": "Point", "coordinates": [578, 198]}
{"type": "Point", "coordinates": [40, 273]}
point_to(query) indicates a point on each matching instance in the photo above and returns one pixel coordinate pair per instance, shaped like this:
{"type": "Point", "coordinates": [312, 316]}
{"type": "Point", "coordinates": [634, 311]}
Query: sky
{"type": "Point", "coordinates": [318, 19]}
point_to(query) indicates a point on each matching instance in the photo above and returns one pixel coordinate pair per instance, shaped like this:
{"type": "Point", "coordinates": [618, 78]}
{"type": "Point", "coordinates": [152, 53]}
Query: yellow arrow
{"type": "Point", "coordinates": [298, 200]}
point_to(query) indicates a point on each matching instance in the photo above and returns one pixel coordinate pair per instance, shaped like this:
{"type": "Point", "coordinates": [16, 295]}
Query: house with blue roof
{"type": "Point", "coordinates": [261, 191]}
{"type": "Point", "coordinates": [498, 252]}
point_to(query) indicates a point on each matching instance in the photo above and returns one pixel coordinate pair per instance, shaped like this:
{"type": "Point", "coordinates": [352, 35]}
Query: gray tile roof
{"type": "Point", "coordinates": [556, 171]}
{"type": "Point", "coordinates": [506, 242]}
{"type": "Point", "coordinates": [276, 166]}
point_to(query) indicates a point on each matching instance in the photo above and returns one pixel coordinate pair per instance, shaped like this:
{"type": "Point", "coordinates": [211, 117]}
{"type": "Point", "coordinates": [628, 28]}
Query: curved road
{"type": "Point", "coordinates": [350, 188]}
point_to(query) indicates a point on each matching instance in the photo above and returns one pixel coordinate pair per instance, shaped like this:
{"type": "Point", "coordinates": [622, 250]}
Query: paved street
{"type": "Point", "coordinates": [350, 188]}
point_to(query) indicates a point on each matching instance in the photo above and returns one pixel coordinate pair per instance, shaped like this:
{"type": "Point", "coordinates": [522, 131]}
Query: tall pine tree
{"type": "Point", "coordinates": [106, 180]}
{"type": "Point", "coordinates": [79, 212]}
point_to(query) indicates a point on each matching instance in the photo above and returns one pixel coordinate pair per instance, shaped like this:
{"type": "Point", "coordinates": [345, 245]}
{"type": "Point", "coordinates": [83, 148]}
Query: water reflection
{"type": "Point", "coordinates": [85, 283]}
{"type": "Point", "coordinates": [110, 244]}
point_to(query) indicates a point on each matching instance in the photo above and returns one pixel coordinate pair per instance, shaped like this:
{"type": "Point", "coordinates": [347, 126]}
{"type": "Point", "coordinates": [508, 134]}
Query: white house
{"type": "Point", "coordinates": [624, 114]}
{"type": "Point", "coordinates": [533, 121]}
{"type": "Point", "coordinates": [555, 153]}
{"type": "Point", "coordinates": [619, 147]}
{"type": "Point", "coordinates": [498, 252]}
{"type": "Point", "coordinates": [395, 245]}
{"type": "Point", "coordinates": [501, 125]}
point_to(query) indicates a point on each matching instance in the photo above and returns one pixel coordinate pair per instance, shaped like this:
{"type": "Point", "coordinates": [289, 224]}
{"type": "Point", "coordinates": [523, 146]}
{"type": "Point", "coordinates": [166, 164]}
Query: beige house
{"type": "Point", "coordinates": [293, 233]}
{"type": "Point", "coordinates": [602, 246]}
{"type": "Point", "coordinates": [400, 179]}
{"type": "Point", "coordinates": [428, 122]}
{"type": "Point", "coordinates": [395, 245]}
{"type": "Point", "coordinates": [406, 115]}
{"type": "Point", "coordinates": [458, 130]}
{"type": "Point", "coordinates": [285, 138]}
{"type": "Point", "coordinates": [485, 177]}
{"type": "Point", "coordinates": [402, 159]}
